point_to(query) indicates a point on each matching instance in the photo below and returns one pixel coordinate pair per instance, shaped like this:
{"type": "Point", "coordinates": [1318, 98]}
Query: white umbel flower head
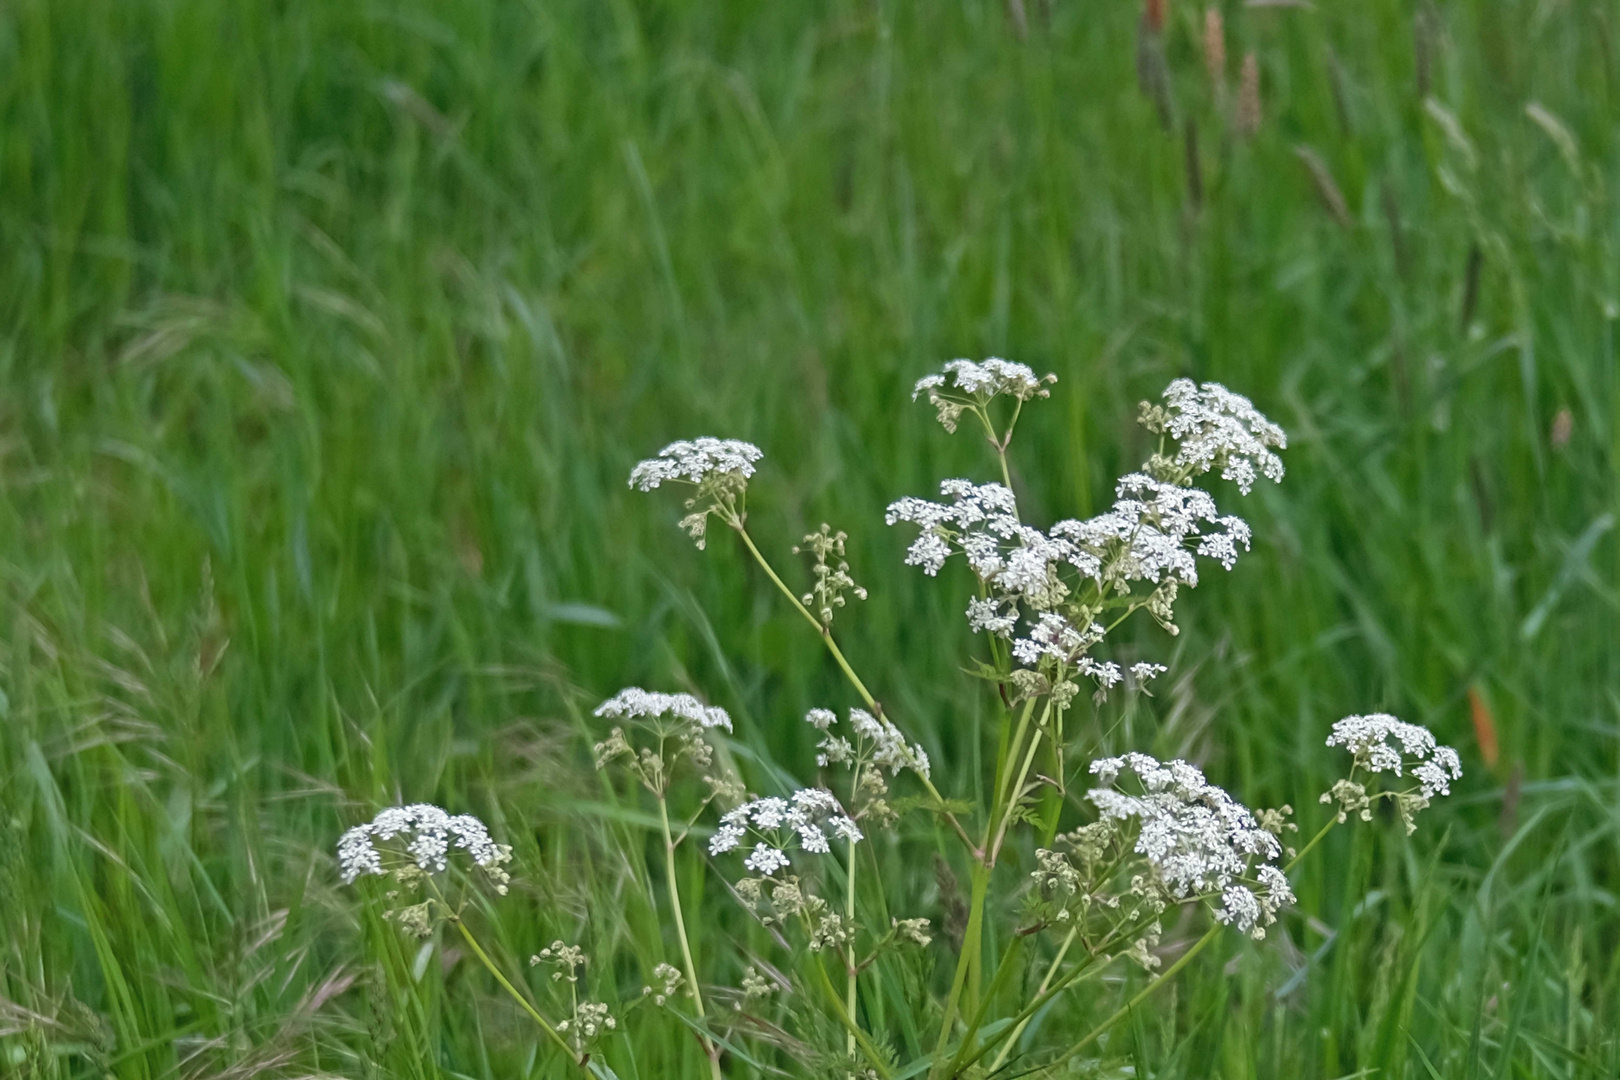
{"type": "Point", "coordinates": [1197, 839]}
{"type": "Point", "coordinates": [1217, 429]}
{"type": "Point", "coordinates": [422, 835]}
{"type": "Point", "coordinates": [965, 382]}
{"type": "Point", "coordinates": [718, 468]}
{"type": "Point", "coordinates": [986, 511]}
{"type": "Point", "coordinates": [634, 703]}
{"type": "Point", "coordinates": [804, 821]}
{"type": "Point", "coordinates": [1382, 743]}
{"type": "Point", "coordinates": [696, 460]}
{"type": "Point", "coordinates": [889, 749]}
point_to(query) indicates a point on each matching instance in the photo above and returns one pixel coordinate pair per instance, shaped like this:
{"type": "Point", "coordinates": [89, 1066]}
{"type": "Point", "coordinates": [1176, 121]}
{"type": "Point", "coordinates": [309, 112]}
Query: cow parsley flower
{"type": "Point", "coordinates": [695, 462]}
{"type": "Point", "coordinates": [987, 512]}
{"type": "Point", "coordinates": [1197, 839]}
{"type": "Point", "coordinates": [1153, 531]}
{"type": "Point", "coordinates": [1382, 744]}
{"type": "Point", "coordinates": [718, 468]}
{"type": "Point", "coordinates": [889, 748]}
{"type": "Point", "coordinates": [1217, 429]}
{"type": "Point", "coordinates": [965, 383]}
{"type": "Point", "coordinates": [766, 860]}
{"type": "Point", "coordinates": [424, 837]}
{"type": "Point", "coordinates": [802, 820]}
{"type": "Point", "coordinates": [1054, 637]}
{"type": "Point", "coordinates": [663, 729]}
{"type": "Point", "coordinates": [634, 703]}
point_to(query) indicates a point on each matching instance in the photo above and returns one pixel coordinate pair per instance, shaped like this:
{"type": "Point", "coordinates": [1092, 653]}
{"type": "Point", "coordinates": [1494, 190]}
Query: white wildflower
{"type": "Point", "coordinates": [1153, 531]}
{"type": "Point", "coordinates": [803, 820]}
{"type": "Point", "coordinates": [1144, 672]}
{"type": "Point", "coordinates": [695, 461]}
{"type": "Point", "coordinates": [1383, 744]}
{"type": "Point", "coordinates": [726, 838]}
{"type": "Point", "coordinates": [889, 749]}
{"type": "Point", "coordinates": [993, 615]}
{"type": "Point", "coordinates": [821, 719]}
{"type": "Point", "coordinates": [1054, 637]}
{"type": "Point", "coordinates": [633, 703]}
{"type": "Point", "coordinates": [1215, 428]}
{"type": "Point", "coordinates": [1368, 738]}
{"type": "Point", "coordinates": [427, 834]}
{"type": "Point", "coordinates": [985, 510]}
{"type": "Point", "coordinates": [1197, 839]}
{"type": "Point", "coordinates": [977, 383]}
{"type": "Point", "coordinates": [765, 860]}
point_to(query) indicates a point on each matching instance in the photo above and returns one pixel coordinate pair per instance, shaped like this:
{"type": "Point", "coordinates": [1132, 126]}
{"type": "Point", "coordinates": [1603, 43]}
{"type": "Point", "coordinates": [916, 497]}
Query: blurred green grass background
{"type": "Point", "coordinates": [330, 331]}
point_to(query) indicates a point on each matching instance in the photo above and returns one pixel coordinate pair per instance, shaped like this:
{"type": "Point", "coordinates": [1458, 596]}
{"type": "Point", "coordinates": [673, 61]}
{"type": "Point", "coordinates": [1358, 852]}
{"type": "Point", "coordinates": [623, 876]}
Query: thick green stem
{"type": "Point", "coordinates": [1051, 969]}
{"type": "Point", "coordinates": [1004, 971]}
{"type": "Point", "coordinates": [680, 930]}
{"type": "Point", "coordinates": [534, 1014]}
{"type": "Point", "coordinates": [1017, 788]}
{"type": "Point", "coordinates": [1141, 995]}
{"type": "Point", "coordinates": [968, 957]}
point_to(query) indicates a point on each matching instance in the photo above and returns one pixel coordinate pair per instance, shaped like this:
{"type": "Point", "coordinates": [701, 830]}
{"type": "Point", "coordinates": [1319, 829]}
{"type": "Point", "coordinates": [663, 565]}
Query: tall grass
{"type": "Point", "coordinates": [328, 333]}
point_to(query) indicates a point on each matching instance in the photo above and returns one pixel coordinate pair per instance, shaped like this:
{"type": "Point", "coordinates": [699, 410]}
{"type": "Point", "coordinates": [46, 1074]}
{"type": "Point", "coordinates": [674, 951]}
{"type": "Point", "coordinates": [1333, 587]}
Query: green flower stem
{"type": "Point", "coordinates": [968, 957]}
{"type": "Point", "coordinates": [855, 680]}
{"type": "Point", "coordinates": [1317, 839]}
{"type": "Point", "coordinates": [1017, 788]}
{"type": "Point", "coordinates": [862, 1043]}
{"type": "Point", "coordinates": [1044, 995]}
{"type": "Point", "coordinates": [1004, 971]}
{"type": "Point", "coordinates": [534, 1014]}
{"type": "Point", "coordinates": [1141, 995]}
{"type": "Point", "coordinates": [680, 930]}
{"type": "Point", "coordinates": [850, 988]}
{"type": "Point", "coordinates": [1063, 950]}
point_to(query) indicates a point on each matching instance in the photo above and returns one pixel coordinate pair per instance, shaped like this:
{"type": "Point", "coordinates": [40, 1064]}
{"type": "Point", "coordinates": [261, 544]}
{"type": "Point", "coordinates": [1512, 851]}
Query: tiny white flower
{"type": "Point", "coordinates": [820, 719]}
{"type": "Point", "coordinates": [765, 860]}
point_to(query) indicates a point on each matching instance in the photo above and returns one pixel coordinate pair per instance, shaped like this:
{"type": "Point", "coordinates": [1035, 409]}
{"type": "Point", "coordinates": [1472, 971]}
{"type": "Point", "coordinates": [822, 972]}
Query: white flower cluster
{"type": "Point", "coordinates": [669, 983]}
{"type": "Point", "coordinates": [718, 468]}
{"type": "Point", "coordinates": [1215, 428]}
{"type": "Point", "coordinates": [1062, 580]}
{"type": "Point", "coordinates": [978, 383]}
{"type": "Point", "coordinates": [804, 820]}
{"type": "Point", "coordinates": [696, 460]}
{"type": "Point", "coordinates": [428, 835]}
{"type": "Point", "coordinates": [1198, 840]}
{"type": "Point", "coordinates": [1151, 534]}
{"type": "Point", "coordinates": [634, 703]}
{"type": "Point", "coordinates": [590, 1019]}
{"type": "Point", "coordinates": [1368, 738]}
{"type": "Point", "coordinates": [1434, 767]}
{"type": "Point", "coordinates": [877, 741]}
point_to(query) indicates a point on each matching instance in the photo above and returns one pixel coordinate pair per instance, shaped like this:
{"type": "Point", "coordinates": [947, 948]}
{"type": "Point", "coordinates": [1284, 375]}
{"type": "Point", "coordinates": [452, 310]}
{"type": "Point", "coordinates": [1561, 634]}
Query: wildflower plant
{"type": "Point", "coordinates": [1100, 873]}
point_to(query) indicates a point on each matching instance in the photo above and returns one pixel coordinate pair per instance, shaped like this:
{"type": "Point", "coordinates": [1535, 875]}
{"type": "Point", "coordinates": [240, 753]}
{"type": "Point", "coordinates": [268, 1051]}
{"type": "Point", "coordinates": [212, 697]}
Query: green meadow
{"type": "Point", "coordinates": [329, 333]}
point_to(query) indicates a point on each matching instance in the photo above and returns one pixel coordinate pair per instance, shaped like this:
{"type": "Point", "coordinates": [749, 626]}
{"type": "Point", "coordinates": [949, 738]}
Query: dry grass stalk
{"type": "Point", "coordinates": [1248, 103]}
